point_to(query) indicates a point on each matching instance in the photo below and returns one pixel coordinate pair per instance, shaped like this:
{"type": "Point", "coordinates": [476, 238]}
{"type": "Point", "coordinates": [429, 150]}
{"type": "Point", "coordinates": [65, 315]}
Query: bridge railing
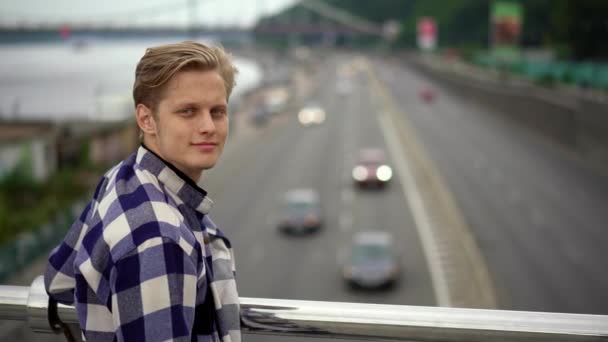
{"type": "Point", "coordinates": [370, 322]}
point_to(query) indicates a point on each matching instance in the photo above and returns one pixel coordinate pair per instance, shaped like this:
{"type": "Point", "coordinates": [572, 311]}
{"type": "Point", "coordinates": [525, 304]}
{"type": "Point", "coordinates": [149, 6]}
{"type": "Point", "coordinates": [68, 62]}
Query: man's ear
{"type": "Point", "coordinates": [145, 119]}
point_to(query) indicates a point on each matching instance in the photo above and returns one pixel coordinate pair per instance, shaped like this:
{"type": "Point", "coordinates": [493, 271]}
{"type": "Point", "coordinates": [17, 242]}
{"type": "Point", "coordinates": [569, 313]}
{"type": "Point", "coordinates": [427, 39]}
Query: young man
{"type": "Point", "coordinates": [144, 262]}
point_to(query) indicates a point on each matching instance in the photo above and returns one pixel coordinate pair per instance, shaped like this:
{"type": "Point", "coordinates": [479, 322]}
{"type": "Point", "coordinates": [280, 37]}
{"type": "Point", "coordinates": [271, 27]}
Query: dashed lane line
{"type": "Point", "coordinates": [421, 216]}
{"type": "Point", "coordinates": [459, 274]}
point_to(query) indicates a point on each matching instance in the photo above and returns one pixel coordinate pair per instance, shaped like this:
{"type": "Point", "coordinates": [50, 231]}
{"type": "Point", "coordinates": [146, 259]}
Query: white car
{"type": "Point", "coordinates": [311, 115]}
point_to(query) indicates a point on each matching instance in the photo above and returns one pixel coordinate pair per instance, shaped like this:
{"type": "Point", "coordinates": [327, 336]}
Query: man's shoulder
{"type": "Point", "coordinates": [128, 186]}
{"type": "Point", "coordinates": [133, 208]}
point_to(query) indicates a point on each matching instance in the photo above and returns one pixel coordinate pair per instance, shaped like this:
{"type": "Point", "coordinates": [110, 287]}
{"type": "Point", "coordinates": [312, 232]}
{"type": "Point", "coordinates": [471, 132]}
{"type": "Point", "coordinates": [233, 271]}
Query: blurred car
{"type": "Point", "coordinates": [427, 94]}
{"type": "Point", "coordinates": [311, 115]}
{"type": "Point", "coordinates": [300, 212]}
{"type": "Point", "coordinates": [371, 168]}
{"type": "Point", "coordinates": [259, 116]}
{"type": "Point", "coordinates": [372, 263]}
{"type": "Point", "coordinates": [276, 100]}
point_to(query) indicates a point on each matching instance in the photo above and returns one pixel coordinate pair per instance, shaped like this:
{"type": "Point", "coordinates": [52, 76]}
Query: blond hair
{"type": "Point", "coordinates": [160, 63]}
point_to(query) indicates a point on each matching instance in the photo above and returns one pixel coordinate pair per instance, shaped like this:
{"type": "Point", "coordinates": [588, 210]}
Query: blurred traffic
{"type": "Point", "coordinates": [371, 169]}
{"type": "Point", "coordinates": [373, 262]}
{"type": "Point", "coordinates": [301, 212]}
{"type": "Point", "coordinates": [311, 115]}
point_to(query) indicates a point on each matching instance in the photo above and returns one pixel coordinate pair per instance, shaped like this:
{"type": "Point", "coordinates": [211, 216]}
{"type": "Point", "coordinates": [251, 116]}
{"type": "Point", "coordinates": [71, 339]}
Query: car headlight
{"type": "Point", "coordinates": [319, 116]}
{"type": "Point", "coordinates": [359, 173]}
{"type": "Point", "coordinates": [384, 173]}
{"type": "Point", "coordinates": [304, 117]}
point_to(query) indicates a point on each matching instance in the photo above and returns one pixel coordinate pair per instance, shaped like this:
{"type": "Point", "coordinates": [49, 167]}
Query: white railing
{"type": "Point", "coordinates": [349, 320]}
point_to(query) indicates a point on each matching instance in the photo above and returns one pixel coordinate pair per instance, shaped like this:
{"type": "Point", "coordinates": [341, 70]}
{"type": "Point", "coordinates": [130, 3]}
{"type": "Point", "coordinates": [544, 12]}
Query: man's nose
{"type": "Point", "coordinates": [206, 124]}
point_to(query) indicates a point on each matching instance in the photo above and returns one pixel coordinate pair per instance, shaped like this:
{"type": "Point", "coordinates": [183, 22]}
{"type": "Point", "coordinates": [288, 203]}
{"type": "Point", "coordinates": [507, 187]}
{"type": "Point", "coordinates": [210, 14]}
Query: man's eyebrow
{"type": "Point", "coordinates": [186, 104]}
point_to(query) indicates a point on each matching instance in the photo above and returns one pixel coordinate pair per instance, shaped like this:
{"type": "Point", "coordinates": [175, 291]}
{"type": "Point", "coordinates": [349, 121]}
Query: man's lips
{"type": "Point", "coordinates": [205, 146]}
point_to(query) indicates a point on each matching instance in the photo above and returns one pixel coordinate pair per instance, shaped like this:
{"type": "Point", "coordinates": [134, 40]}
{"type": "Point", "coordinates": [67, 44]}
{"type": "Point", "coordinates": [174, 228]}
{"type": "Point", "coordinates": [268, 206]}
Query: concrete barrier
{"type": "Point", "coordinates": [576, 122]}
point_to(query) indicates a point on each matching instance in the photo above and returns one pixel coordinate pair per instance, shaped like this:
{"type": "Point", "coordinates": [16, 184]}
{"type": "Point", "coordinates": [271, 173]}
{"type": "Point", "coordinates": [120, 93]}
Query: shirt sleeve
{"type": "Point", "coordinates": [154, 293]}
{"type": "Point", "coordinates": [59, 278]}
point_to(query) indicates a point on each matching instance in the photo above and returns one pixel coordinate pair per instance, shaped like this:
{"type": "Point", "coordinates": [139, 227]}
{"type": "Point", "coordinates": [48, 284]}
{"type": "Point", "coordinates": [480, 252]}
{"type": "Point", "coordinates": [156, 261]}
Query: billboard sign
{"type": "Point", "coordinates": [506, 20]}
{"type": "Point", "coordinates": [427, 33]}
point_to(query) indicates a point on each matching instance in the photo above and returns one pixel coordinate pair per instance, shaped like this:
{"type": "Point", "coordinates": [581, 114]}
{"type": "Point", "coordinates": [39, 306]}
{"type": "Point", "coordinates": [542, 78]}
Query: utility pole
{"type": "Point", "coordinates": [193, 24]}
{"type": "Point", "coordinates": [260, 12]}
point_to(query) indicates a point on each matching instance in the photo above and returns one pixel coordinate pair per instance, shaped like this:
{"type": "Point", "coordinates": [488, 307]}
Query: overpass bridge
{"type": "Point", "coordinates": [312, 20]}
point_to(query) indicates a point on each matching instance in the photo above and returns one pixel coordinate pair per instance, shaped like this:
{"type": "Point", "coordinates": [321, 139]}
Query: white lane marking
{"type": "Point", "coordinates": [271, 220]}
{"type": "Point", "coordinates": [345, 222]}
{"type": "Point", "coordinates": [350, 155]}
{"type": "Point", "coordinates": [347, 196]}
{"type": "Point", "coordinates": [347, 174]}
{"type": "Point", "coordinates": [341, 255]}
{"type": "Point", "coordinates": [421, 216]}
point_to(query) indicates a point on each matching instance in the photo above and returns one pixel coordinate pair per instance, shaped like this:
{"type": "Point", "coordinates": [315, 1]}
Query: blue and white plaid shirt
{"type": "Point", "coordinates": [145, 263]}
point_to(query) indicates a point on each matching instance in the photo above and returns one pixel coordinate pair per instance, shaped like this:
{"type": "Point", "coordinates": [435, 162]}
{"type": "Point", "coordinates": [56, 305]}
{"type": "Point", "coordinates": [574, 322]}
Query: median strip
{"type": "Point", "coordinates": [459, 273]}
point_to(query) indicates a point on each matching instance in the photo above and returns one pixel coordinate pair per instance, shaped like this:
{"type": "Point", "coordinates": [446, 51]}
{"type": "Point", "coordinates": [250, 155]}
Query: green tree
{"type": "Point", "coordinates": [582, 25]}
{"type": "Point", "coordinates": [578, 28]}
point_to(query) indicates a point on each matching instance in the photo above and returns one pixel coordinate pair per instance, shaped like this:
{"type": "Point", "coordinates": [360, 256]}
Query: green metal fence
{"type": "Point", "coordinates": [28, 246]}
{"type": "Point", "coordinates": [583, 74]}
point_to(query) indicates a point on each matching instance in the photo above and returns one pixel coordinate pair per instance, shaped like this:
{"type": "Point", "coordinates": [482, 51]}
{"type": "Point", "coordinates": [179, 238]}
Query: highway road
{"type": "Point", "coordinates": [538, 213]}
{"type": "Point", "coordinates": [260, 167]}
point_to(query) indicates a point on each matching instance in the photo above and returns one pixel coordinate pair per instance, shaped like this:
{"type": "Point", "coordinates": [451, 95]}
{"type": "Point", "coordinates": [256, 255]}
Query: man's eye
{"type": "Point", "coordinates": [186, 111]}
{"type": "Point", "coordinates": [218, 113]}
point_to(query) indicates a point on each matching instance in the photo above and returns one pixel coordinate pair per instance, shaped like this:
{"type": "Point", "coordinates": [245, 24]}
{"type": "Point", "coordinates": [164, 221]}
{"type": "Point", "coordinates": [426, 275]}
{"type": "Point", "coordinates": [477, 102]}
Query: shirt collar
{"type": "Point", "coordinates": [175, 180]}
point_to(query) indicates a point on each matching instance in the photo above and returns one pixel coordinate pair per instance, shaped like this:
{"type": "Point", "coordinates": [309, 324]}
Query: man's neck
{"type": "Point", "coordinates": [189, 177]}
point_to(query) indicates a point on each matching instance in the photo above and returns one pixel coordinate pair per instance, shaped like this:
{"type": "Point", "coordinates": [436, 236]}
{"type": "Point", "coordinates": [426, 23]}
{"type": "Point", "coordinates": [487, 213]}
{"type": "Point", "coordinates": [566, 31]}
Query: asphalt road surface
{"type": "Point", "coordinates": [258, 169]}
{"type": "Point", "coordinates": [539, 214]}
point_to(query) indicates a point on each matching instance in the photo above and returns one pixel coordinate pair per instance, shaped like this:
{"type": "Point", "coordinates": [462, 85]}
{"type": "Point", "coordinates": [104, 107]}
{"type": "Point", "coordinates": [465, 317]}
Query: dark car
{"type": "Point", "coordinates": [260, 116]}
{"type": "Point", "coordinates": [300, 212]}
{"type": "Point", "coordinates": [427, 94]}
{"type": "Point", "coordinates": [373, 263]}
{"type": "Point", "coordinates": [371, 168]}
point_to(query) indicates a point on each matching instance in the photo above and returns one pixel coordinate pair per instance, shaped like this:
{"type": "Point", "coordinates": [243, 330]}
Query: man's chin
{"type": "Point", "coordinates": [205, 165]}
{"type": "Point", "coordinates": [202, 164]}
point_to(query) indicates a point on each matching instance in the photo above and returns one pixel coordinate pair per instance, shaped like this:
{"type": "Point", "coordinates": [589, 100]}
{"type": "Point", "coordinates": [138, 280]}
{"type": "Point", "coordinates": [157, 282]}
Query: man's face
{"type": "Point", "coordinates": [191, 122]}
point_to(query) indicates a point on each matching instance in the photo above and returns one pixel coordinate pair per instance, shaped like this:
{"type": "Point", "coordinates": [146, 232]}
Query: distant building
{"type": "Point", "coordinates": [114, 142]}
{"type": "Point", "coordinates": [29, 147]}
{"type": "Point", "coordinates": [101, 143]}
{"type": "Point", "coordinates": [37, 149]}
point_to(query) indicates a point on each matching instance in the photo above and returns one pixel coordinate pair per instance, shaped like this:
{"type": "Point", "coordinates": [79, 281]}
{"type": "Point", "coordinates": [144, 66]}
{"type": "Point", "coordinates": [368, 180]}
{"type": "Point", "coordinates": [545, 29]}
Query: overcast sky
{"type": "Point", "coordinates": [213, 12]}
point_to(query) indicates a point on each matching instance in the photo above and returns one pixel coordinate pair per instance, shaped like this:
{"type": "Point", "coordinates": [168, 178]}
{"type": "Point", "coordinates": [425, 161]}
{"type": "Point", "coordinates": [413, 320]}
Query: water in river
{"type": "Point", "coordinates": [92, 80]}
